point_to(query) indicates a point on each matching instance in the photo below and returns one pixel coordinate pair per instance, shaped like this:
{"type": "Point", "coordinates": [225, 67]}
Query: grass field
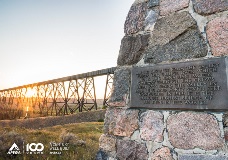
{"type": "Point", "coordinates": [83, 139]}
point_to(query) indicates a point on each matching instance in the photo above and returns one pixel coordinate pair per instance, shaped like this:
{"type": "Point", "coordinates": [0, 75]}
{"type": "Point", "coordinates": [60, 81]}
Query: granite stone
{"type": "Point", "coordinates": [153, 3]}
{"type": "Point", "coordinates": [162, 154]}
{"type": "Point", "coordinates": [225, 119]}
{"type": "Point", "coordinates": [135, 18]}
{"type": "Point", "coordinates": [110, 119]}
{"type": "Point", "coordinates": [188, 130]}
{"type": "Point", "coordinates": [126, 123]}
{"type": "Point", "coordinates": [205, 7]}
{"type": "Point", "coordinates": [151, 126]}
{"type": "Point", "coordinates": [189, 45]}
{"type": "Point", "coordinates": [201, 157]}
{"type": "Point", "coordinates": [132, 48]}
{"type": "Point", "coordinates": [226, 134]}
{"type": "Point", "coordinates": [107, 143]}
{"type": "Point", "coordinates": [120, 89]}
{"type": "Point", "coordinates": [101, 155]}
{"type": "Point", "coordinates": [168, 28]}
{"type": "Point", "coordinates": [217, 33]}
{"type": "Point", "coordinates": [175, 37]}
{"type": "Point", "coordinates": [120, 122]}
{"type": "Point", "coordinates": [170, 6]}
{"type": "Point", "coordinates": [150, 19]}
{"type": "Point", "coordinates": [139, 1]}
{"type": "Point", "coordinates": [127, 150]}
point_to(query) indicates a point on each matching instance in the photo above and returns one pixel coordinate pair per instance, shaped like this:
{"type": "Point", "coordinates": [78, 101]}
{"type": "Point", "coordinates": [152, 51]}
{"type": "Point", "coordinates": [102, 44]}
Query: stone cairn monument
{"type": "Point", "coordinates": [170, 91]}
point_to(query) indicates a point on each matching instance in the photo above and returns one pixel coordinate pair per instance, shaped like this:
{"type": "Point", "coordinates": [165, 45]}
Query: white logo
{"type": "Point", "coordinates": [35, 148]}
{"type": "Point", "coordinates": [14, 149]}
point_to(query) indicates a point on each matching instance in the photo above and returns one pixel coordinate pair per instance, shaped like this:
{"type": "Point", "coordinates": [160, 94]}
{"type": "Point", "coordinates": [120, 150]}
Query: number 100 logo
{"type": "Point", "coordinates": [34, 147]}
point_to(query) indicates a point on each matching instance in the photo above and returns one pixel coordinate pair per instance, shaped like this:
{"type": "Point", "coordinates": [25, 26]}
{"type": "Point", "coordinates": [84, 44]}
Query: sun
{"type": "Point", "coordinates": [30, 92]}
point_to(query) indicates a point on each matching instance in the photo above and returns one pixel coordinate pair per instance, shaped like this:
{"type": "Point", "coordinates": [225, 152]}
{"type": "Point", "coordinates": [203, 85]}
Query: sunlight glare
{"type": "Point", "coordinates": [30, 92]}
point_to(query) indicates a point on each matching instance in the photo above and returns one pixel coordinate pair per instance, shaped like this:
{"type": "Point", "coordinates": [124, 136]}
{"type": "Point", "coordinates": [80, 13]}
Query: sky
{"type": "Point", "coordinates": [46, 39]}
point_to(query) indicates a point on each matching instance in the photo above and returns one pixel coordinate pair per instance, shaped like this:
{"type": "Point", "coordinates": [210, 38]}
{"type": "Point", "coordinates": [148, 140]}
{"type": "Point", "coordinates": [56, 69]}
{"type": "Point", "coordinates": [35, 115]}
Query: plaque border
{"type": "Point", "coordinates": [220, 105]}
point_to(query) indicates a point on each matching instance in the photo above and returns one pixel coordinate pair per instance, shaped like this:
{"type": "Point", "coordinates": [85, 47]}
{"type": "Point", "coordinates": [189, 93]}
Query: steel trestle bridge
{"type": "Point", "coordinates": [60, 96]}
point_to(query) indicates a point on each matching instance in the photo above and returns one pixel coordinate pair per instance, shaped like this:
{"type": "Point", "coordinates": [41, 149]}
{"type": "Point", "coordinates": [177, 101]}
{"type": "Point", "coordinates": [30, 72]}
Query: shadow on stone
{"type": "Point", "coordinates": [101, 155]}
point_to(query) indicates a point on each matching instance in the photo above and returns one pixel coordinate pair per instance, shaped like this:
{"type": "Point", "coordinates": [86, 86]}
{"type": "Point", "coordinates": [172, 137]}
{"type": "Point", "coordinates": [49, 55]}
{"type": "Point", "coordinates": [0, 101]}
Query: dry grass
{"type": "Point", "coordinates": [83, 140]}
{"type": "Point", "coordinates": [41, 122]}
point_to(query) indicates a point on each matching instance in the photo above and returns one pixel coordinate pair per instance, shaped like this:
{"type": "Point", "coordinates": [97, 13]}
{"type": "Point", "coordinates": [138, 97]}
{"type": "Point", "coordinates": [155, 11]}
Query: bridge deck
{"type": "Point", "coordinates": [68, 78]}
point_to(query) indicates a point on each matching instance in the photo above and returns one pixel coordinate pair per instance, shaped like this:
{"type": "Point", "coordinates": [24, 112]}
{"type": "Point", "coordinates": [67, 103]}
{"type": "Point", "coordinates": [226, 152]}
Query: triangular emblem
{"type": "Point", "coordinates": [14, 149]}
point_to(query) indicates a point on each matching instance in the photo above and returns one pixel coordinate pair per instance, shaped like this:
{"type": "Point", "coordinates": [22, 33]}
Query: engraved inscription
{"type": "Point", "coordinates": [190, 85]}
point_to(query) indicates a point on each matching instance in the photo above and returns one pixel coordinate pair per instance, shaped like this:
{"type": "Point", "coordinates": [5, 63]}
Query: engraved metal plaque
{"type": "Point", "coordinates": [199, 84]}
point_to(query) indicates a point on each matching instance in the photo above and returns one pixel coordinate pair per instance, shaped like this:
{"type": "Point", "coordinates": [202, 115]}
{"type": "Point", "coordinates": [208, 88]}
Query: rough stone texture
{"type": "Point", "coordinates": [205, 7]}
{"type": "Point", "coordinates": [135, 18]}
{"type": "Point", "coordinates": [110, 119]}
{"type": "Point", "coordinates": [201, 157]}
{"type": "Point", "coordinates": [126, 123]}
{"type": "Point", "coordinates": [162, 154]}
{"type": "Point", "coordinates": [121, 122]}
{"type": "Point", "coordinates": [120, 89]}
{"type": "Point", "coordinates": [217, 33]}
{"type": "Point", "coordinates": [188, 130]}
{"type": "Point", "coordinates": [189, 45]}
{"type": "Point", "coordinates": [225, 119]}
{"type": "Point", "coordinates": [151, 126]}
{"type": "Point", "coordinates": [132, 48]}
{"type": "Point", "coordinates": [107, 143]}
{"type": "Point", "coordinates": [226, 134]}
{"type": "Point", "coordinates": [168, 28]}
{"type": "Point", "coordinates": [130, 150]}
{"type": "Point", "coordinates": [170, 6]}
{"type": "Point", "coordinates": [153, 3]}
{"type": "Point", "coordinates": [101, 155]}
{"type": "Point", "coordinates": [150, 20]}
{"type": "Point", "coordinates": [139, 1]}
{"type": "Point", "coordinates": [175, 37]}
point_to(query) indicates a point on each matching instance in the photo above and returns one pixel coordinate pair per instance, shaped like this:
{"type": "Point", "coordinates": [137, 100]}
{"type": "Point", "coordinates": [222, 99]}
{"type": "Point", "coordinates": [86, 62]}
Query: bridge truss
{"type": "Point", "coordinates": [61, 96]}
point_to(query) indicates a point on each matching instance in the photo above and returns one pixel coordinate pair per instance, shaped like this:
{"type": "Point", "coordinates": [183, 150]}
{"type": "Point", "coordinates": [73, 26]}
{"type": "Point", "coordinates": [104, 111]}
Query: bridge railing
{"type": "Point", "coordinates": [60, 96]}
